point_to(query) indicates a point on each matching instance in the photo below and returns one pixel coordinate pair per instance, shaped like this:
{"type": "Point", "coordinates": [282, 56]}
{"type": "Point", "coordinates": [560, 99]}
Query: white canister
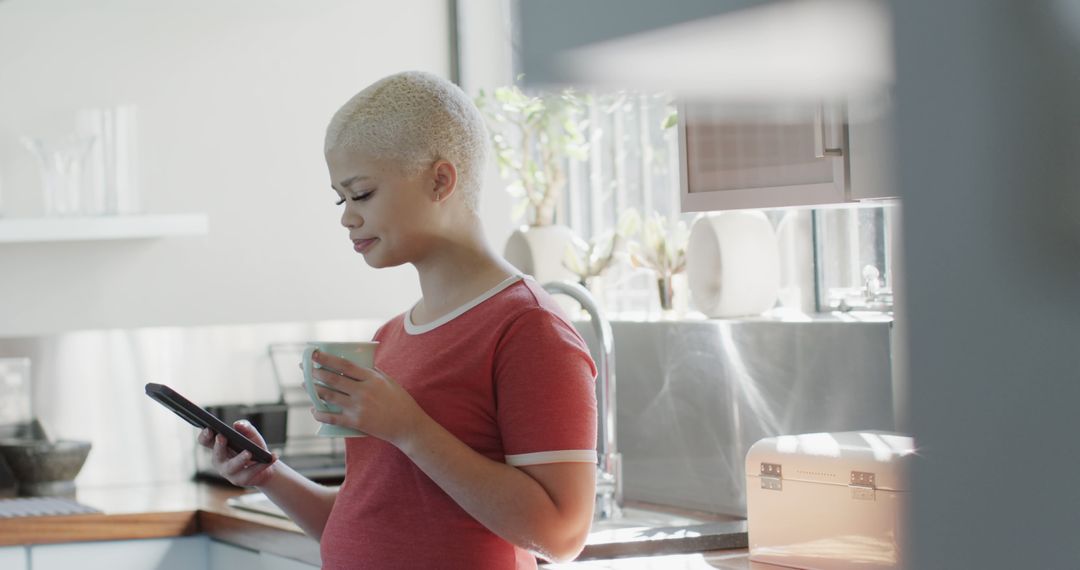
{"type": "Point", "coordinates": [732, 264]}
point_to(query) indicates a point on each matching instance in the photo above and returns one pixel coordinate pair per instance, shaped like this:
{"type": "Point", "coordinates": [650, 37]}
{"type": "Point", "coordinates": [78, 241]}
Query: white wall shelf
{"type": "Point", "coordinates": [36, 230]}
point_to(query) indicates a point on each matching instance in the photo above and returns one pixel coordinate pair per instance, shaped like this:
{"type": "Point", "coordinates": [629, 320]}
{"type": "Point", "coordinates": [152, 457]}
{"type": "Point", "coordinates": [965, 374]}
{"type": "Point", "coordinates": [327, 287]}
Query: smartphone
{"type": "Point", "coordinates": [201, 418]}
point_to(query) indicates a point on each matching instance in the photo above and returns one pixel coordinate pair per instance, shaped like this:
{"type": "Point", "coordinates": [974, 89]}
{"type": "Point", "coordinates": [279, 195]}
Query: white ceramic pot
{"type": "Point", "coordinates": [539, 251]}
{"type": "Point", "coordinates": [732, 264]}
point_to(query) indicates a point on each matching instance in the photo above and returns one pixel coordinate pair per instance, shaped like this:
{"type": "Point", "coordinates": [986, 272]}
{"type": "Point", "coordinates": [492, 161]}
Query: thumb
{"type": "Point", "coordinates": [247, 430]}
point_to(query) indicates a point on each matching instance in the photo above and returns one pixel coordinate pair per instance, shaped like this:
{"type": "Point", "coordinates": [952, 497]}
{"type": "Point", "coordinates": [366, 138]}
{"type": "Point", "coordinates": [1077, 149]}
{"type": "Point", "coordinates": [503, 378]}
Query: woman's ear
{"type": "Point", "coordinates": [444, 180]}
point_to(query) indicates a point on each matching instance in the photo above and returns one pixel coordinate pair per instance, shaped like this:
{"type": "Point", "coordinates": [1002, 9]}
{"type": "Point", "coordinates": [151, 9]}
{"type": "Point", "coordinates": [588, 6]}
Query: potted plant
{"type": "Point", "coordinates": [533, 137]}
{"type": "Point", "coordinates": [662, 250]}
{"type": "Point", "coordinates": [587, 260]}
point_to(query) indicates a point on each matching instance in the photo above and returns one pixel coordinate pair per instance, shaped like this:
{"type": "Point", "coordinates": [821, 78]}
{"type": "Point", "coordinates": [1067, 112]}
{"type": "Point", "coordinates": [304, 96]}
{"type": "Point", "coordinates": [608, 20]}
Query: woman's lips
{"type": "Point", "coordinates": [362, 245]}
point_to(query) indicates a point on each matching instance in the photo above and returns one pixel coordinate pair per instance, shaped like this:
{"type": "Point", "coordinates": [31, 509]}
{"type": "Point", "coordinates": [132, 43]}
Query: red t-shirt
{"type": "Point", "coordinates": [508, 375]}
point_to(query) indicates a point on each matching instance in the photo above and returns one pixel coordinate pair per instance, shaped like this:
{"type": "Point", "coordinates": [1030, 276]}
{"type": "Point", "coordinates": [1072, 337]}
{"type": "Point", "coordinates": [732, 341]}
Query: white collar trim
{"type": "Point", "coordinates": [414, 329]}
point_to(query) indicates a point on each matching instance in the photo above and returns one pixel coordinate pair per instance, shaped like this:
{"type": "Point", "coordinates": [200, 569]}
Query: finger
{"type": "Point", "coordinates": [253, 471]}
{"type": "Point", "coordinates": [248, 430]}
{"type": "Point", "coordinates": [237, 463]}
{"type": "Point", "coordinates": [325, 417]}
{"type": "Point", "coordinates": [252, 463]}
{"type": "Point", "coordinates": [206, 438]}
{"type": "Point", "coordinates": [328, 360]}
{"type": "Point", "coordinates": [332, 396]}
{"type": "Point", "coordinates": [340, 365]}
{"type": "Point", "coordinates": [221, 450]}
{"type": "Point", "coordinates": [335, 381]}
{"type": "Point", "coordinates": [250, 467]}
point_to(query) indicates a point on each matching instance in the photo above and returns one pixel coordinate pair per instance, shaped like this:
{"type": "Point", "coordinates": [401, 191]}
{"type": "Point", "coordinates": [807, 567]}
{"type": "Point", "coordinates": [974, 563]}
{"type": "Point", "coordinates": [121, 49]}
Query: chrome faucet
{"type": "Point", "coordinates": [609, 491]}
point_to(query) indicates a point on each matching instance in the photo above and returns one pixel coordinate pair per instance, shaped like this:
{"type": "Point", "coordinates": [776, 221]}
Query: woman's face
{"type": "Point", "coordinates": [386, 211]}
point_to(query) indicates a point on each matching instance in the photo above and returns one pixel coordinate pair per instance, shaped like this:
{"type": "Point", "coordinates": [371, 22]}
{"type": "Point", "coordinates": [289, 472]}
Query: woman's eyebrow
{"type": "Point", "coordinates": [349, 181]}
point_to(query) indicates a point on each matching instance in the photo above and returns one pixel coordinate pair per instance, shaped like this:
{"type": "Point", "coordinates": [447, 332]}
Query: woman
{"type": "Point", "coordinates": [480, 409]}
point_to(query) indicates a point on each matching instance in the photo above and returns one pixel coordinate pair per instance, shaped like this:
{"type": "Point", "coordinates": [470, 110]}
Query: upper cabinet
{"type": "Point", "coordinates": [734, 157]}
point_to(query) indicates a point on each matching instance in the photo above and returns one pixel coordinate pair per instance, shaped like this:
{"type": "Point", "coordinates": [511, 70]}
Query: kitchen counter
{"type": "Point", "coordinates": [181, 509]}
{"type": "Point", "coordinates": [737, 559]}
{"type": "Point", "coordinates": [164, 511]}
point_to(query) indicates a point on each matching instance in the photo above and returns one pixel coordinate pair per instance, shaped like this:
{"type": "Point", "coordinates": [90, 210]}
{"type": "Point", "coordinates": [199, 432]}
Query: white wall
{"type": "Point", "coordinates": [232, 101]}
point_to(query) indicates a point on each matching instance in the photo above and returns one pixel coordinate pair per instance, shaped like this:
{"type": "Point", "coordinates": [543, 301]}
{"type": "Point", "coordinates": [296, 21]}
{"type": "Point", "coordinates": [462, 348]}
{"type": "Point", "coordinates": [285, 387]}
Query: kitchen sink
{"type": "Point", "coordinates": [635, 517]}
{"type": "Point", "coordinates": [641, 531]}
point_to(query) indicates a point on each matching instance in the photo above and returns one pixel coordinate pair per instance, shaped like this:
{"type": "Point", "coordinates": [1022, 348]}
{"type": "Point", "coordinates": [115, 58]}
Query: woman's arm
{"type": "Point", "coordinates": [307, 503]}
{"type": "Point", "coordinates": [544, 508]}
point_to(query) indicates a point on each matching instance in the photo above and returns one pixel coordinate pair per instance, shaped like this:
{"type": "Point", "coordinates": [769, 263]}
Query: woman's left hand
{"type": "Point", "coordinates": [370, 401]}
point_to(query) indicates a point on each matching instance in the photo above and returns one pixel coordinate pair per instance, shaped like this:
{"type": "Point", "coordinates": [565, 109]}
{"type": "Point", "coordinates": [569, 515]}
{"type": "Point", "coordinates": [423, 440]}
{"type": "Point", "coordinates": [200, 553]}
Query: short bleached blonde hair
{"type": "Point", "coordinates": [415, 118]}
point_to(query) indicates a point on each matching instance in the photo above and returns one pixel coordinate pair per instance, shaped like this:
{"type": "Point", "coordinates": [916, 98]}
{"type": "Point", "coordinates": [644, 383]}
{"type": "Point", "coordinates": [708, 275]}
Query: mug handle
{"type": "Point", "coordinates": [309, 381]}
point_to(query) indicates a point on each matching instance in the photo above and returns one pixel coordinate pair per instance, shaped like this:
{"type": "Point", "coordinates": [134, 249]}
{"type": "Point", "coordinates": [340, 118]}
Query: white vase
{"type": "Point", "coordinates": [732, 264]}
{"type": "Point", "coordinates": [795, 236]}
{"type": "Point", "coordinates": [539, 251]}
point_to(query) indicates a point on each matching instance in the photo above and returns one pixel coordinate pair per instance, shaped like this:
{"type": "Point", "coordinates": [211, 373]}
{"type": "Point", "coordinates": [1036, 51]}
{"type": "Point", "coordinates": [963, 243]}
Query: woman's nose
{"type": "Point", "coordinates": [351, 220]}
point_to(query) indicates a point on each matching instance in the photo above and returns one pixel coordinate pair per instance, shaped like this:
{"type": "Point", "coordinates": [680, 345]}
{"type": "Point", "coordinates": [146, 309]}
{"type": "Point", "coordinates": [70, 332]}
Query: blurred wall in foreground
{"type": "Point", "coordinates": [987, 96]}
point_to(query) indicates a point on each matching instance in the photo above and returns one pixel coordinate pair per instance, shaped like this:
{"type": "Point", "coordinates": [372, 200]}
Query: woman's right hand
{"type": "Point", "coordinates": [238, 468]}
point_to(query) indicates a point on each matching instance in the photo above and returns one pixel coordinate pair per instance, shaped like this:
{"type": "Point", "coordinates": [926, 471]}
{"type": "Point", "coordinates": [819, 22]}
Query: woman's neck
{"type": "Point", "coordinates": [459, 273]}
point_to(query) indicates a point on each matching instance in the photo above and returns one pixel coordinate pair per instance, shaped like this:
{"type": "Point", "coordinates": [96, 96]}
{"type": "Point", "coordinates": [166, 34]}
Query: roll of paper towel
{"type": "Point", "coordinates": [733, 264]}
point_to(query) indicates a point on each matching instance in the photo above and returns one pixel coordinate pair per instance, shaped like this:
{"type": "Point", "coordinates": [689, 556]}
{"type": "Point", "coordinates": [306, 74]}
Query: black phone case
{"type": "Point", "coordinates": [201, 418]}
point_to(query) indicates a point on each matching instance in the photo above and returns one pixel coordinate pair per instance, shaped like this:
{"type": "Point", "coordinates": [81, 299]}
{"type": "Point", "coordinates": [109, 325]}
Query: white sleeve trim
{"type": "Point", "coordinates": [541, 457]}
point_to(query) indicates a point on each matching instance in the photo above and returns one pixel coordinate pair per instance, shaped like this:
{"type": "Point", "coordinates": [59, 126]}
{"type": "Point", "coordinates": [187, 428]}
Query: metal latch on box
{"type": "Point", "coordinates": [862, 485]}
{"type": "Point", "coordinates": [772, 477]}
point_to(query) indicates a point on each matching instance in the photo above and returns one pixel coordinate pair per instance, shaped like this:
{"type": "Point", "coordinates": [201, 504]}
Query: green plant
{"type": "Point", "coordinates": [533, 136]}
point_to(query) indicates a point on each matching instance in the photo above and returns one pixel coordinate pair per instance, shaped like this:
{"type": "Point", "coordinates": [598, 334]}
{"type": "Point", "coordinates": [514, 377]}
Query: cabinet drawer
{"type": "Point", "coordinates": [182, 553]}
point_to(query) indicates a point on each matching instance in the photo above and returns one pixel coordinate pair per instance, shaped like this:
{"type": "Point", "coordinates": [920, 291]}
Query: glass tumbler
{"type": "Point", "coordinates": [61, 162]}
{"type": "Point", "coordinates": [15, 402]}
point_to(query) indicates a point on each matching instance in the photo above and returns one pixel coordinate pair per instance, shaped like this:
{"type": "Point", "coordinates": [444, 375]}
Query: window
{"type": "Point", "coordinates": [854, 256]}
{"type": "Point", "coordinates": [632, 163]}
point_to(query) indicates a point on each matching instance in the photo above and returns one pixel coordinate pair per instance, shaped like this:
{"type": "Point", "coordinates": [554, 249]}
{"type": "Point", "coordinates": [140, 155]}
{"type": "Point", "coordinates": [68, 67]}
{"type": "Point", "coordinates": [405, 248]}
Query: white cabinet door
{"type": "Point", "coordinates": [13, 558]}
{"type": "Point", "coordinates": [761, 157]}
{"type": "Point", "coordinates": [275, 562]}
{"type": "Point", "coordinates": [870, 137]}
{"type": "Point", "coordinates": [228, 557]}
{"type": "Point", "coordinates": [739, 157]}
{"type": "Point", "coordinates": [184, 553]}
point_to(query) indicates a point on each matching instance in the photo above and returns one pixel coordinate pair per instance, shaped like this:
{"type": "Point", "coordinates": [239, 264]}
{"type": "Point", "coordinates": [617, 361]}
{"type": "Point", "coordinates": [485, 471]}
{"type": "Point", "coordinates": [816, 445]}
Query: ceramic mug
{"type": "Point", "coordinates": [359, 353]}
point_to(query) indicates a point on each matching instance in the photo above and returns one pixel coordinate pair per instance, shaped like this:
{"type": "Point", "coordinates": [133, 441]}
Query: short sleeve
{"type": "Point", "coordinates": [545, 391]}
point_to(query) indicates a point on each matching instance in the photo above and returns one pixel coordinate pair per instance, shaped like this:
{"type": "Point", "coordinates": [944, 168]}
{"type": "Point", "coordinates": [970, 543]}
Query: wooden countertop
{"type": "Point", "coordinates": [164, 511]}
{"type": "Point", "coordinates": [189, 508]}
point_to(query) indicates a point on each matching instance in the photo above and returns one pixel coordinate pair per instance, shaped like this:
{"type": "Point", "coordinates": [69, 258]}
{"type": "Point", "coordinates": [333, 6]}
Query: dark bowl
{"type": "Point", "coordinates": [45, 467]}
